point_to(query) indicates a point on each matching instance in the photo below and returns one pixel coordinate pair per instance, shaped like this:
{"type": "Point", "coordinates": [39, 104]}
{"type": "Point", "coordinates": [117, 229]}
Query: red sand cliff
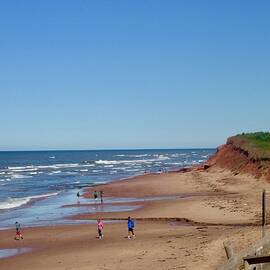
{"type": "Point", "coordinates": [236, 157]}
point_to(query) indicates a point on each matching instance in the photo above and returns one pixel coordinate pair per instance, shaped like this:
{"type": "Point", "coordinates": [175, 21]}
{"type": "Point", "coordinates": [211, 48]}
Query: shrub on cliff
{"type": "Point", "coordinates": [257, 144]}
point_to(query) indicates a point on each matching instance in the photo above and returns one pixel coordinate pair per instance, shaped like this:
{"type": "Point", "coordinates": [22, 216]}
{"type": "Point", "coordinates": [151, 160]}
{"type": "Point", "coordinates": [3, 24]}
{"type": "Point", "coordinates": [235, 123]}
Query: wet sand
{"type": "Point", "coordinates": [214, 205]}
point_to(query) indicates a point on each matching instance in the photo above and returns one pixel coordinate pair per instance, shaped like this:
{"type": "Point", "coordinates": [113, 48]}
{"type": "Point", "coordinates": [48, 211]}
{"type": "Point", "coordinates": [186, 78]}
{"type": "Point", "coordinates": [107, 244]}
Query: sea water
{"type": "Point", "coordinates": [35, 184]}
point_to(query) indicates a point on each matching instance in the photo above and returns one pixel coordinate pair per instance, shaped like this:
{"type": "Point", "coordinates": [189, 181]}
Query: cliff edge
{"type": "Point", "coordinates": [245, 153]}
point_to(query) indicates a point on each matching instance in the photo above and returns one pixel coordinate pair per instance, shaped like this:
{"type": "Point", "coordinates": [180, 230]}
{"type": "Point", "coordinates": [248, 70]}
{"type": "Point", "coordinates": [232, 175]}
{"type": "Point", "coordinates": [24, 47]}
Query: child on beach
{"type": "Point", "coordinates": [100, 226]}
{"type": "Point", "coordinates": [18, 235]}
{"type": "Point", "coordinates": [131, 226]}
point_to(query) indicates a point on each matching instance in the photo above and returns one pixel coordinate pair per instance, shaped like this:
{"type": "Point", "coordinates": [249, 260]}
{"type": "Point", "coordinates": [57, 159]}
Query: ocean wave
{"type": "Point", "coordinates": [108, 162]}
{"type": "Point", "coordinates": [20, 176]}
{"type": "Point", "coordinates": [178, 155]}
{"type": "Point", "coordinates": [43, 167]}
{"type": "Point", "coordinates": [54, 172]}
{"type": "Point", "coordinates": [17, 202]}
{"type": "Point", "coordinates": [174, 163]}
{"type": "Point", "coordinates": [142, 155]}
{"type": "Point", "coordinates": [97, 171]}
{"type": "Point", "coordinates": [19, 167]}
{"type": "Point", "coordinates": [135, 161]}
{"type": "Point", "coordinates": [22, 169]}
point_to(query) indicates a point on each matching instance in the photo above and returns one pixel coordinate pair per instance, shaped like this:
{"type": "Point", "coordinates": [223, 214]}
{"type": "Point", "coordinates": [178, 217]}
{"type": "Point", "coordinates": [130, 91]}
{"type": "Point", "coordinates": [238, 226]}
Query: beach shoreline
{"type": "Point", "coordinates": [210, 206]}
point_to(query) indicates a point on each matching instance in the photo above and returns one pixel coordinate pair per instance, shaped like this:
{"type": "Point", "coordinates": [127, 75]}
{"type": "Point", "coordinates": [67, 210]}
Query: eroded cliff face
{"type": "Point", "coordinates": [239, 158]}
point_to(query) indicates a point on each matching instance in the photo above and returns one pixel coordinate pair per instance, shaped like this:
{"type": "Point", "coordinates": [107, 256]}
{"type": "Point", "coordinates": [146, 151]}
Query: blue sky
{"type": "Point", "coordinates": [132, 74]}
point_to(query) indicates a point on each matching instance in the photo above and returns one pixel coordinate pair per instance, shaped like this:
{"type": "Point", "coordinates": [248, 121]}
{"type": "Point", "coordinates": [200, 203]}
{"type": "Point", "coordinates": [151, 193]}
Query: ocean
{"type": "Point", "coordinates": [35, 184]}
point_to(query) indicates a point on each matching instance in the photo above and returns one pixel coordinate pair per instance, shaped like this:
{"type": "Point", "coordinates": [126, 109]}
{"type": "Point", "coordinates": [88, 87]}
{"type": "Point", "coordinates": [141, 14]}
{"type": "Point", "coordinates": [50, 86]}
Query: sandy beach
{"type": "Point", "coordinates": [182, 221]}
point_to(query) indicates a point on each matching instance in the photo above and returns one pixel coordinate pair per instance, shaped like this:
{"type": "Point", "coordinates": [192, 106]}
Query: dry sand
{"type": "Point", "coordinates": [221, 203]}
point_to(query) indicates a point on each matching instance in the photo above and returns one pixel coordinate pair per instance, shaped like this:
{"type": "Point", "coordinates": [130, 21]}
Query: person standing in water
{"type": "Point", "coordinates": [131, 226]}
{"type": "Point", "coordinates": [78, 197]}
{"type": "Point", "coordinates": [18, 235]}
{"type": "Point", "coordinates": [100, 226]}
{"type": "Point", "coordinates": [101, 196]}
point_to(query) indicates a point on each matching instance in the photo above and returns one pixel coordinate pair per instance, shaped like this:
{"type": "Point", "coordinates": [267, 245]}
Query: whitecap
{"type": "Point", "coordinates": [17, 202]}
{"type": "Point", "coordinates": [20, 176]}
{"type": "Point", "coordinates": [54, 172]}
{"type": "Point", "coordinates": [97, 171]}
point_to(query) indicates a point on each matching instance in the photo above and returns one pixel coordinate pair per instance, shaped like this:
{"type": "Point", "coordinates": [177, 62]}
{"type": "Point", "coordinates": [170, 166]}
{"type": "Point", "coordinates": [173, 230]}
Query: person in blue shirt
{"type": "Point", "coordinates": [131, 226]}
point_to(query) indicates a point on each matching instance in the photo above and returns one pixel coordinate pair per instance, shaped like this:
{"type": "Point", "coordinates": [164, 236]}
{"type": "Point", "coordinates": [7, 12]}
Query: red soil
{"type": "Point", "coordinates": [231, 156]}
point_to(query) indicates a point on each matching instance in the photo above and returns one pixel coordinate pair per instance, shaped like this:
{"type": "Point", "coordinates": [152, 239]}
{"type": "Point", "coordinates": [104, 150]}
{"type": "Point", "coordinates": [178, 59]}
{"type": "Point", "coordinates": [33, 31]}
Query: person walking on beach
{"type": "Point", "coordinates": [101, 196]}
{"type": "Point", "coordinates": [100, 226]}
{"type": "Point", "coordinates": [18, 235]}
{"type": "Point", "coordinates": [78, 197]}
{"type": "Point", "coordinates": [131, 226]}
{"type": "Point", "coordinates": [95, 194]}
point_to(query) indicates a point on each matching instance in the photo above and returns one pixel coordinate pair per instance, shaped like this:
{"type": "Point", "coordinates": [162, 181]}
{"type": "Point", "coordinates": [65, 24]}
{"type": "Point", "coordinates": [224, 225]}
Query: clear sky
{"type": "Point", "coordinates": [132, 74]}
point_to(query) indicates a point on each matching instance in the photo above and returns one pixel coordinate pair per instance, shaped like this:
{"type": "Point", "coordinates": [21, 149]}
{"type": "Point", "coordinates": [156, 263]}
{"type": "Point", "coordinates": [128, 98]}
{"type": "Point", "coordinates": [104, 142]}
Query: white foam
{"type": "Point", "coordinates": [174, 163]}
{"type": "Point", "coordinates": [88, 165]}
{"type": "Point", "coordinates": [42, 167]}
{"type": "Point", "coordinates": [143, 155]}
{"type": "Point", "coordinates": [20, 176]}
{"type": "Point", "coordinates": [135, 161]}
{"type": "Point", "coordinates": [107, 162]}
{"type": "Point", "coordinates": [54, 172]}
{"type": "Point", "coordinates": [97, 171]}
{"type": "Point", "coordinates": [17, 202]}
{"type": "Point", "coordinates": [84, 170]}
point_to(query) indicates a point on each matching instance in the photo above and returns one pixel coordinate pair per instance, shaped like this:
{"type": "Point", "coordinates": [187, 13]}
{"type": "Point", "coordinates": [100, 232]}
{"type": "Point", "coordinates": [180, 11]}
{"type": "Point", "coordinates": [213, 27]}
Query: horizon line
{"type": "Point", "coordinates": [113, 149]}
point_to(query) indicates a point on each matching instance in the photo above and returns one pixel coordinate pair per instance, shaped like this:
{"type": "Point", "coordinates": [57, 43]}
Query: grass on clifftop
{"type": "Point", "coordinates": [257, 143]}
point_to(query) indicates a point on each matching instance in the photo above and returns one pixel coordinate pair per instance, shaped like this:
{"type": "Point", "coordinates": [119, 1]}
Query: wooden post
{"type": "Point", "coordinates": [263, 209]}
{"type": "Point", "coordinates": [263, 212]}
{"type": "Point", "coordinates": [228, 249]}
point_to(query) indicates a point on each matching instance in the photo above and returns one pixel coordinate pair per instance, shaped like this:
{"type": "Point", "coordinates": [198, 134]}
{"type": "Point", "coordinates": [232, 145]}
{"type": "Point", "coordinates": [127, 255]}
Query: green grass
{"type": "Point", "coordinates": [258, 143]}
